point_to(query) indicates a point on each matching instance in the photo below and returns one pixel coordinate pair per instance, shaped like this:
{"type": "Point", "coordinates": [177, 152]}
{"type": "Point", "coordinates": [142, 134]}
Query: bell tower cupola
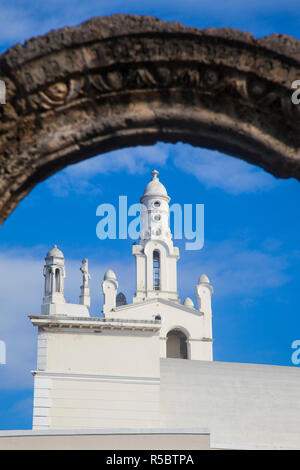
{"type": "Point", "coordinates": [156, 256]}
{"type": "Point", "coordinates": [155, 211]}
{"type": "Point", "coordinates": [54, 272]}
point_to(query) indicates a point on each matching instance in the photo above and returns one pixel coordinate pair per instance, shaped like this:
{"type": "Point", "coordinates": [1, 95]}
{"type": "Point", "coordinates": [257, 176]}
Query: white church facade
{"type": "Point", "coordinates": [124, 347]}
{"type": "Point", "coordinates": [149, 364]}
{"type": "Point", "coordinates": [185, 331]}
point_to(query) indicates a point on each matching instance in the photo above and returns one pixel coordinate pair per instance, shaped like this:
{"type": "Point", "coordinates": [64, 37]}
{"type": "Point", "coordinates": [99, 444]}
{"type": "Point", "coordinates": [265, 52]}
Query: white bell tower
{"type": "Point", "coordinates": [54, 271]}
{"type": "Point", "coordinates": [156, 256]}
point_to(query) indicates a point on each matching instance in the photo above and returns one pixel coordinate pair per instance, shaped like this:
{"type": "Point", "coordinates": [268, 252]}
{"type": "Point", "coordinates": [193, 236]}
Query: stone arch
{"type": "Point", "coordinates": [127, 80]}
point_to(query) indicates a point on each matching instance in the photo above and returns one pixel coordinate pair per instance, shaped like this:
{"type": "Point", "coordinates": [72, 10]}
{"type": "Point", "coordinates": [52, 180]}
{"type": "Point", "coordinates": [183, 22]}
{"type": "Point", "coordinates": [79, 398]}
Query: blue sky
{"type": "Point", "coordinates": [251, 252]}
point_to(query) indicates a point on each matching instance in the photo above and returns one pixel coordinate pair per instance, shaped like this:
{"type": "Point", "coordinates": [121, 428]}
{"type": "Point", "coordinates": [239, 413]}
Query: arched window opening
{"type": "Point", "coordinates": [48, 282]}
{"type": "Point", "coordinates": [57, 280]}
{"type": "Point", "coordinates": [156, 270]}
{"type": "Point", "coordinates": [176, 345]}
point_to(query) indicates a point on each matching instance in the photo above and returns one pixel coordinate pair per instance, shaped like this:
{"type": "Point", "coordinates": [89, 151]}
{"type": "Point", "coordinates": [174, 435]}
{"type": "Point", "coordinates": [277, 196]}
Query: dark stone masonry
{"type": "Point", "coordinates": [123, 80]}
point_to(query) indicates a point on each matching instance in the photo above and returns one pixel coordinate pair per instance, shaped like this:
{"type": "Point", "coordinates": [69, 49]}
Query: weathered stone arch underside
{"type": "Point", "coordinates": [128, 80]}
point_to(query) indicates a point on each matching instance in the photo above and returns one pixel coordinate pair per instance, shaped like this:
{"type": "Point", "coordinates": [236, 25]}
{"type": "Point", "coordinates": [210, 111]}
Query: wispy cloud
{"type": "Point", "coordinates": [216, 170]}
{"type": "Point", "coordinates": [212, 169]}
{"type": "Point", "coordinates": [63, 184]}
{"type": "Point", "coordinates": [79, 178]}
{"type": "Point", "coordinates": [237, 269]}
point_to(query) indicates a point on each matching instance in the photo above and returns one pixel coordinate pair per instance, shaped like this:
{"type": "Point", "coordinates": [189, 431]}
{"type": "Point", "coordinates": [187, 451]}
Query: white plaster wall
{"type": "Point", "coordinates": [243, 405]}
{"type": "Point", "coordinates": [112, 352]}
{"type": "Point", "coordinates": [42, 350]}
{"type": "Point", "coordinates": [96, 403]}
{"type": "Point", "coordinates": [200, 350]}
{"type": "Point", "coordinates": [41, 403]}
{"type": "Point", "coordinates": [89, 380]}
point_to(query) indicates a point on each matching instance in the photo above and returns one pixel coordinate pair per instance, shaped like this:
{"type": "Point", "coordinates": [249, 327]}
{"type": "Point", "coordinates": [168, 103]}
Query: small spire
{"type": "Point", "coordinates": [154, 173]}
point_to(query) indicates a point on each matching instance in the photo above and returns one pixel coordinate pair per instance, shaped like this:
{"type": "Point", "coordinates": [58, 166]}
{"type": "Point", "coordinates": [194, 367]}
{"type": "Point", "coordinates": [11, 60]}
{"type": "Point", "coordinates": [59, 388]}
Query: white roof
{"type": "Point", "coordinates": [109, 275]}
{"type": "Point", "coordinates": [155, 188]}
{"type": "Point", "coordinates": [55, 252]}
